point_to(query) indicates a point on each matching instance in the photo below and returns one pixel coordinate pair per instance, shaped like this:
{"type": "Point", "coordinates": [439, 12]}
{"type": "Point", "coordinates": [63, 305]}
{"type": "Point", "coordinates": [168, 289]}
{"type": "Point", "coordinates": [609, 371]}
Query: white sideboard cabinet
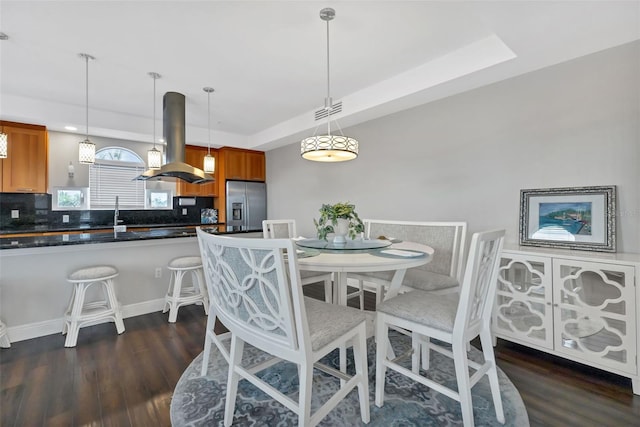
{"type": "Point", "coordinates": [578, 305]}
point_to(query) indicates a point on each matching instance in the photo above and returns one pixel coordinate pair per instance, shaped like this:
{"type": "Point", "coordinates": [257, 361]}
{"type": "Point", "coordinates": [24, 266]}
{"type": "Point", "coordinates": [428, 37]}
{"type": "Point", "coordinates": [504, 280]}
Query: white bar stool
{"type": "Point", "coordinates": [81, 313]}
{"type": "Point", "coordinates": [4, 336]}
{"type": "Point", "coordinates": [179, 293]}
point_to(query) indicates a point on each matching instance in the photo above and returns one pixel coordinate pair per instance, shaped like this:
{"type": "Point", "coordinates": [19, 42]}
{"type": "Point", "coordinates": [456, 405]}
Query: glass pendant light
{"type": "Point", "coordinates": [209, 160]}
{"type": "Point", "coordinates": [86, 148]}
{"type": "Point", "coordinates": [154, 156]}
{"type": "Point", "coordinates": [329, 148]}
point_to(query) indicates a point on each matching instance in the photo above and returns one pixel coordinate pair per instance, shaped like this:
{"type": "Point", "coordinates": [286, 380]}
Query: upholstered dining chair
{"type": "Point", "coordinates": [286, 229]}
{"type": "Point", "coordinates": [257, 295]}
{"type": "Point", "coordinates": [441, 275]}
{"type": "Point", "coordinates": [451, 319]}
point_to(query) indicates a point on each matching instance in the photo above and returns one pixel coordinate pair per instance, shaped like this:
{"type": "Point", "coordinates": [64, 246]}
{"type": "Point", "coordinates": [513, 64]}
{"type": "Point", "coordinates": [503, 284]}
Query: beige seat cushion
{"type": "Point", "coordinates": [304, 274]}
{"type": "Point", "coordinates": [436, 311]}
{"type": "Point", "coordinates": [185, 262]}
{"type": "Point", "coordinates": [329, 321]}
{"type": "Point", "coordinates": [415, 278]}
{"type": "Point", "coordinates": [93, 273]}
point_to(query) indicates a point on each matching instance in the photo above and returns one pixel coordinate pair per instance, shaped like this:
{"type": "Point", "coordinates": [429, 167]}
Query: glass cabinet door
{"type": "Point", "coordinates": [594, 313]}
{"type": "Point", "coordinates": [523, 300]}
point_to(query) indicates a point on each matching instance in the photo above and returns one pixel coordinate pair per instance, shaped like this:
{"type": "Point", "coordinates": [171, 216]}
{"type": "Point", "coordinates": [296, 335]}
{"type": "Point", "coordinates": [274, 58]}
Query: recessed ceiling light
{"type": "Point", "coordinates": [71, 128]}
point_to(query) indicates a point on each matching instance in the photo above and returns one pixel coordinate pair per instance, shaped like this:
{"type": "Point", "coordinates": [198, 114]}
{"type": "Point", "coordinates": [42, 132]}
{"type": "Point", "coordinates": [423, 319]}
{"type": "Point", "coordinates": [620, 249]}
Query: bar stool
{"type": "Point", "coordinates": [179, 293]}
{"type": "Point", "coordinates": [81, 313]}
{"type": "Point", "coordinates": [4, 337]}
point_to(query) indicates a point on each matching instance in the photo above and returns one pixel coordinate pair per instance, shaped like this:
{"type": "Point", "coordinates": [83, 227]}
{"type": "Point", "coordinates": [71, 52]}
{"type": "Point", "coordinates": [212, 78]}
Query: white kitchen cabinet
{"type": "Point", "coordinates": [578, 305]}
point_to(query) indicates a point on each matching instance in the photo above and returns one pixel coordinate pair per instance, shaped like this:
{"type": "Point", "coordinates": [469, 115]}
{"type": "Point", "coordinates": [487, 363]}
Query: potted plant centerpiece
{"type": "Point", "coordinates": [340, 219]}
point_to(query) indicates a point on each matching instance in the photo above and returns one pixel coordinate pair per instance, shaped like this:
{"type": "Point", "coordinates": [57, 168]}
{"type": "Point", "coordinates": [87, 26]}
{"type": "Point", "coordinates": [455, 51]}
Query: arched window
{"type": "Point", "coordinates": [113, 174]}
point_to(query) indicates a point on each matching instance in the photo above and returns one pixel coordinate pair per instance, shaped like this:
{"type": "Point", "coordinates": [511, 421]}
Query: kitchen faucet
{"type": "Point", "coordinates": [116, 221]}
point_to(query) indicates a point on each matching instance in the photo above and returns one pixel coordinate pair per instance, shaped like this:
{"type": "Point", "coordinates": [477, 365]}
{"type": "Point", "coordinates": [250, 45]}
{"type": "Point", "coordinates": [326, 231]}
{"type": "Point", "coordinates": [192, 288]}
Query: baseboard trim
{"type": "Point", "coordinates": [54, 326]}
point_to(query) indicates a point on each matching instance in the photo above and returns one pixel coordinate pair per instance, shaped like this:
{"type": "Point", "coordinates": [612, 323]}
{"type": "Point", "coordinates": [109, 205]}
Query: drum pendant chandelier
{"type": "Point", "coordinates": [329, 148]}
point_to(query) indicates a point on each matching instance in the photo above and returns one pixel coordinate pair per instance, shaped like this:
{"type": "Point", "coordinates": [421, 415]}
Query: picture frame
{"type": "Point", "coordinates": [578, 218]}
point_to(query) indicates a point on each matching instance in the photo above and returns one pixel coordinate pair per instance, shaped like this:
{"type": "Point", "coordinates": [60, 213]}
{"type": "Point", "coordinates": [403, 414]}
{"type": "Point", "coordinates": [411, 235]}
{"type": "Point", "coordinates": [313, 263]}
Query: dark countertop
{"type": "Point", "coordinates": [30, 228]}
{"type": "Point", "coordinates": [105, 237]}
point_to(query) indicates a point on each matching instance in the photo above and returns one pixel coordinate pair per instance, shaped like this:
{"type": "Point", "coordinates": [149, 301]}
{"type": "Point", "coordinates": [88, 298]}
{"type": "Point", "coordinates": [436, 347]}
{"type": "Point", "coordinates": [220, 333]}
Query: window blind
{"type": "Point", "coordinates": [106, 181]}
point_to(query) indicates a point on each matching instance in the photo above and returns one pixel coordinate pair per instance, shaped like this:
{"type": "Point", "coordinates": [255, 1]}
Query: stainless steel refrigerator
{"type": "Point", "coordinates": [246, 205]}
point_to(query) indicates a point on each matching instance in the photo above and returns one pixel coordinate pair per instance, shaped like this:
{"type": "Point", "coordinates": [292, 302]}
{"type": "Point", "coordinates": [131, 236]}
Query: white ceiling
{"type": "Point", "coordinates": [267, 59]}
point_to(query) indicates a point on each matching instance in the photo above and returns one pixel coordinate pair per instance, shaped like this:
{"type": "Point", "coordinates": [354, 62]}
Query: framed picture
{"type": "Point", "coordinates": [581, 218]}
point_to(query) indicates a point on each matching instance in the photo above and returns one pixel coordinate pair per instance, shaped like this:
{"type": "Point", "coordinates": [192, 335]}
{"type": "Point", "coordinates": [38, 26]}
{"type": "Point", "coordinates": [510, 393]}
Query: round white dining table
{"type": "Point", "coordinates": [342, 262]}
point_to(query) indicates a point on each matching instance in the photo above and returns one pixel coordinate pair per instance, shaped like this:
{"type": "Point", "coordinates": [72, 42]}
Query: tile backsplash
{"type": "Point", "coordinates": [21, 212]}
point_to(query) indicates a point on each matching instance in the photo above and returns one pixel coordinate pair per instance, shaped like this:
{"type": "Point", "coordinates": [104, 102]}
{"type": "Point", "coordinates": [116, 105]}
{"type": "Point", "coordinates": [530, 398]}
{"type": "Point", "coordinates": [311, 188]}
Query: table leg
{"type": "Point", "coordinates": [396, 284]}
{"type": "Point", "coordinates": [340, 294]}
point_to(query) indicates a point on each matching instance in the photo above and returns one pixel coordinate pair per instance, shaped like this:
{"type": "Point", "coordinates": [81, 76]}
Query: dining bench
{"type": "Point", "coordinates": [441, 275]}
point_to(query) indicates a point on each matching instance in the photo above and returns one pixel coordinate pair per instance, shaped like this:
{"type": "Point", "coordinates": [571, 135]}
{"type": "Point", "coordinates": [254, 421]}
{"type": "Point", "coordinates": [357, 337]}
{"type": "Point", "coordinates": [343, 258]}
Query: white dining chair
{"type": "Point", "coordinates": [441, 275]}
{"type": "Point", "coordinates": [256, 295]}
{"type": "Point", "coordinates": [286, 229]}
{"type": "Point", "coordinates": [451, 319]}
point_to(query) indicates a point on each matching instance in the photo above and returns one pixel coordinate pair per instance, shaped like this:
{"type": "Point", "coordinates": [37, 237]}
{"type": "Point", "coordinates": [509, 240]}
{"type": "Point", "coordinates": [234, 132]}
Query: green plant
{"type": "Point", "coordinates": [329, 215]}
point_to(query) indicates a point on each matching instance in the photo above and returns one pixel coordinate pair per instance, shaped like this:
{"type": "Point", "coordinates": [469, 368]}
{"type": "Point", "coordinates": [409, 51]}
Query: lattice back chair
{"type": "Point", "coordinates": [257, 296]}
{"type": "Point", "coordinates": [441, 275]}
{"type": "Point", "coordinates": [286, 229]}
{"type": "Point", "coordinates": [279, 228]}
{"type": "Point", "coordinates": [451, 319]}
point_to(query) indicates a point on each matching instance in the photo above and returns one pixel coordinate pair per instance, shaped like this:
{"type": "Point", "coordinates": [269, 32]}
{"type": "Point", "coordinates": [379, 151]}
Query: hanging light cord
{"type": "Point", "coordinates": [328, 101]}
{"type": "Point", "coordinates": [86, 59]}
{"type": "Point", "coordinates": [154, 109]}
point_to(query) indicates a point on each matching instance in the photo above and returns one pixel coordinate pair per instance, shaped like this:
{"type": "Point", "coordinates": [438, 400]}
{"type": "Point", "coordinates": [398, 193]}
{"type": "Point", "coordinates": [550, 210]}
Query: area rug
{"type": "Point", "coordinates": [199, 401]}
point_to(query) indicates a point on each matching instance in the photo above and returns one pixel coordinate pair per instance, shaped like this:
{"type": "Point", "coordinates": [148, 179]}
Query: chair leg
{"type": "Point", "coordinates": [328, 291]}
{"type": "Point", "coordinates": [361, 291]}
{"type": "Point", "coordinates": [177, 289]}
{"type": "Point", "coordinates": [360, 360]}
{"type": "Point", "coordinates": [76, 309]}
{"type": "Point", "coordinates": [235, 359]}
{"type": "Point", "coordinates": [382, 338]}
{"type": "Point", "coordinates": [464, 385]}
{"type": "Point", "coordinates": [379, 294]}
{"type": "Point", "coordinates": [426, 352]}
{"type": "Point", "coordinates": [416, 345]}
{"type": "Point", "coordinates": [487, 350]}
{"type": "Point", "coordinates": [304, 402]}
{"type": "Point", "coordinates": [211, 323]}
{"type": "Point", "coordinates": [342, 351]}
{"type": "Point", "coordinates": [199, 277]}
{"type": "Point", "coordinates": [114, 305]}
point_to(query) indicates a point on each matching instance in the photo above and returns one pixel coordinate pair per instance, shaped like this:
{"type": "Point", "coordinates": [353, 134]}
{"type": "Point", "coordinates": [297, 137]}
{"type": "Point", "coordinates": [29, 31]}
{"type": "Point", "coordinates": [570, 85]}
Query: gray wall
{"type": "Point", "coordinates": [468, 156]}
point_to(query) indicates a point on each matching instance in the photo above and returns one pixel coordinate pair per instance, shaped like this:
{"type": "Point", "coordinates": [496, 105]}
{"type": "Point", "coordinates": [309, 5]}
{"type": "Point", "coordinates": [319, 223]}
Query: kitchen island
{"type": "Point", "coordinates": [73, 237]}
{"type": "Point", "coordinates": [34, 291]}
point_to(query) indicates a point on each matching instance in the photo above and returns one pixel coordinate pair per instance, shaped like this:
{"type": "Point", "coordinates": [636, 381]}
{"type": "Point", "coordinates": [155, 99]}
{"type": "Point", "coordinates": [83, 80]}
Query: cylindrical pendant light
{"type": "Point", "coordinates": [209, 161]}
{"type": "Point", "coordinates": [86, 148]}
{"type": "Point", "coordinates": [154, 156]}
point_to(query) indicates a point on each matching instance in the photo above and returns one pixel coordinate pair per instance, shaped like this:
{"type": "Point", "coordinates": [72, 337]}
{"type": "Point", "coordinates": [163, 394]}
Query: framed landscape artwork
{"type": "Point", "coordinates": [582, 218]}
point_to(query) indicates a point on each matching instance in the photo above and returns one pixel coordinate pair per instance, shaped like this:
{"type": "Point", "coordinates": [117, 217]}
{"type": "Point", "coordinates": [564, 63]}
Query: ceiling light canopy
{"type": "Point", "coordinates": [329, 148]}
{"type": "Point", "coordinates": [154, 156]}
{"type": "Point", "coordinates": [86, 148]}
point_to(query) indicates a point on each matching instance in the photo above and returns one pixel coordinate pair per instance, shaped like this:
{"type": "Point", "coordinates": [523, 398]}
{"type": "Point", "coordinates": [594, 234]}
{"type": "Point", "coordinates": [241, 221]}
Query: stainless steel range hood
{"type": "Point", "coordinates": [173, 119]}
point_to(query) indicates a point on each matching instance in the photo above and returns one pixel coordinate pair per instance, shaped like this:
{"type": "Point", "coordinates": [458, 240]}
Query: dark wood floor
{"type": "Point", "coordinates": [128, 380]}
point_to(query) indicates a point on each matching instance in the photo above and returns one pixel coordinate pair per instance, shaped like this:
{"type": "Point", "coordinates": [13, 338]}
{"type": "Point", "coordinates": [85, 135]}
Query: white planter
{"type": "Point", "coordinates": [341, 230]}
